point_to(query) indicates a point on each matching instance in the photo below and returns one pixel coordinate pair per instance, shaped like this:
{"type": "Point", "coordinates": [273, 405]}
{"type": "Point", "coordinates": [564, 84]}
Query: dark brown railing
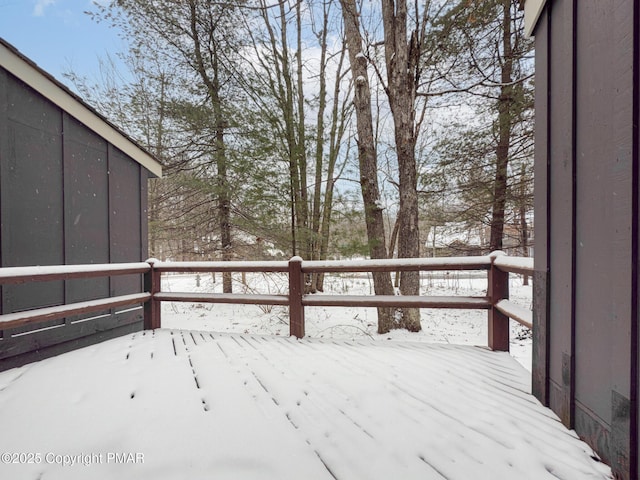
{"type": "Point", "coordinates": [21, 275]}
{"type": "Point", "coordinates": [498, 267]}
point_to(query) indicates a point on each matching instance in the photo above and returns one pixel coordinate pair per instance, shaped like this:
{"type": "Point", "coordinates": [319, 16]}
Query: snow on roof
{"type": "Point", "coordinates": [46, 85]}
{"type": "Point", "coordinates": [175, 404]}
{"type": "Point", "coordinates": [452, 232]}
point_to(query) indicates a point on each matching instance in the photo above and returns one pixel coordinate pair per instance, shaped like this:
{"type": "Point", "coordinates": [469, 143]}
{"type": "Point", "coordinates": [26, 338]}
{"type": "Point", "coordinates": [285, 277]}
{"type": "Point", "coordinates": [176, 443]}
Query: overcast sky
{"type": "Point", "coordinates": [58, 35]}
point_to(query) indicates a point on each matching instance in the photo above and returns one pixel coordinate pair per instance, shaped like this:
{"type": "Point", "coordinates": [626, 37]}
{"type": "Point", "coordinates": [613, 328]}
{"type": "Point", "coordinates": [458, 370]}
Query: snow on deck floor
{"type": "Point", "coordinates": [191, 405]}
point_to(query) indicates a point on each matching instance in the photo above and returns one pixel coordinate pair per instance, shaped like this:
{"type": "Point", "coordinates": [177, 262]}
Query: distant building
{"type": "Point", "coordinates": [73, 190]}
{"type": "Point", "coordinates": [458, 239]}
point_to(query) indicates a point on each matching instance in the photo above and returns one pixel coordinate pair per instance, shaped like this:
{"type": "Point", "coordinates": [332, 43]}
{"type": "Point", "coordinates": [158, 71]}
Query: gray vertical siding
{"type": "Point", "coordinates": [66, 196]}
{"type": "Point", "coordinates": [124, 221]}
{"type": "Point", "coordinates": [634, 406]}
{"type": "Point", "coordinates": [125, 218]}
{"type": "Point", "coordinates": [540, 357]}
{"type": "Point", "coordinates": [585, 354]}
{"type": "Point", "coordinates": [31, 196]}
{"type": "Point", "coordinates": [86, 193]}
{"type": "Point", "coordinates": [603, 219]}
{"type": "Point", "coordinates": [561, 211]}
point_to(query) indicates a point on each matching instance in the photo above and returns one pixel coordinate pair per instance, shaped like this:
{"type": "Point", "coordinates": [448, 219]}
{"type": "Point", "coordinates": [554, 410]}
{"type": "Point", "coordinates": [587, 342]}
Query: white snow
{"type": "Point", "coordinates": [438, 263]}
{"type": "Point", "coordinates": [467, 327]}
{"type": "Point", "coordinates": [514, 263]}
{"type": "Point", "coordinates": [223, 392]}
{"type": "Point", "coordinates": [239, 266]}
{"type": "Point", "coordinates": [44, 270]}
{"type": "Point", "coordinates": [176, 404]}
{"type": "Point", "coordinates": [521, 314]}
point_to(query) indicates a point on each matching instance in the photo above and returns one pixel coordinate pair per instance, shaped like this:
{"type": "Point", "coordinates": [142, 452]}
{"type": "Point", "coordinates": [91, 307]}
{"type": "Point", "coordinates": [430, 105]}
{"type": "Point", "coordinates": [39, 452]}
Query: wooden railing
{"type": "Point", "coordinates": [496, 302]}
{"type": "Point", "coordinates": [20, 275]}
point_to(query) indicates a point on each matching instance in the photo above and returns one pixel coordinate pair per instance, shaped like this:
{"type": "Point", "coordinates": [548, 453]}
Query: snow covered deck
{"type": "Point", "coordinates": [172, 404]}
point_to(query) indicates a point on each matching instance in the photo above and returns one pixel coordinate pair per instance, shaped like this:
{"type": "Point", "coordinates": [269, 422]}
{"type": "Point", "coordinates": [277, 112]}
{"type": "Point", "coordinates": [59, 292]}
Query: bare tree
{"type": "Point", "coordinates": [326, 158]}
{"type": "Point", "coordinates": [402, 56]}
{"type": "Point", "coordinates": [367, 158]}
{"type": "Point", "coordinates": [311, 116]}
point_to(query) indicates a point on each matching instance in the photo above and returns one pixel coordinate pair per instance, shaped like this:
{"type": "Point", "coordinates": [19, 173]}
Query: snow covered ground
{"type": "Point", "coordinates": [222, 391]}
{"type": "Point", "coordinates": [464, 327]}
{"type": "Point", "coordinates": [173, 405]}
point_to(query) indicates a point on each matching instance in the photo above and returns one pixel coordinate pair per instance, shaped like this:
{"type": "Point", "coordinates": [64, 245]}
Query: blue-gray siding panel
{"type": "Point", "coordinates": [57, 182]}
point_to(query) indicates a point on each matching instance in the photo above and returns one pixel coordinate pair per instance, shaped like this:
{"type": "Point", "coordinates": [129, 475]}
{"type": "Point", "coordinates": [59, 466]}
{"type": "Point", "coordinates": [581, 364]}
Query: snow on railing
{"type": "Point", "coordinates": [522, 315]}
{"type": "Point", "coordinates": [9, 275]}
{"type": "Point", "coordinates": [395, 264]}
{"type": "Point", "coordinates": [20, 275]}
{"type": "Point", "coordinates": [497, 265]}
{"type": "Point", "coordinates": [520, 265]}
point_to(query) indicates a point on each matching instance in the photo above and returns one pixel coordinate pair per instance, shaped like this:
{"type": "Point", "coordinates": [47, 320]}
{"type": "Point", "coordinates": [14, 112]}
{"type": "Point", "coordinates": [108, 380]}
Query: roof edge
{"type": "Point", "coordinates": [532, 11]}
{"type": "Point", "coordinates": [46, 85]}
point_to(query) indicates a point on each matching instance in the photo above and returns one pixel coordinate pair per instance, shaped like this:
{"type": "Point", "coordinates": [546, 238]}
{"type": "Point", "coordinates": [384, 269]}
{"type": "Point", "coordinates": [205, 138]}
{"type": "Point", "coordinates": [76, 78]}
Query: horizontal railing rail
{"type": "Point", "coordinates": [19, 319]}
{"type": "Point", "coordinates": [497, 265]}
{"type": "Point", "coordinates": [520, 314]}
{"type": "Point", "coordinates": [409, 301]}
{"type": "Point", "coordinates": [519, 265]}
{"type": "Point", "coordinates": [398, 264]}
{"type": "Point", "coordinates": [207, 267]}
{"type": "Point", "coordinates": [17, 275]}
{"type": "Point", "coordinates": [23, 275]}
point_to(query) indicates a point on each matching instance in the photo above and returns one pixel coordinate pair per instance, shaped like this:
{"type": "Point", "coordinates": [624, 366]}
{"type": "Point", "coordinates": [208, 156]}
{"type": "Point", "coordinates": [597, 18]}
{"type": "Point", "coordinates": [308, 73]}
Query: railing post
{"type": "Point", "coordinates": [152, 307]}
{"type": "Point", "coordinates": [498, 289]}
{"type": "Point", "coordinates": [296, 290]}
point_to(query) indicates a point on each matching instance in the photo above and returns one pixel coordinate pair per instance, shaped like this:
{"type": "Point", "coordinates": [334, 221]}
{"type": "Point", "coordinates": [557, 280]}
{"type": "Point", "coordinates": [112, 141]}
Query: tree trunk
{"type": "Point", "coordinates": [285, 88]}
{"type": "Point", "coordinates": [401, 90]}
{"type": "Point", "coordinates": [153, 218]}
{"type": "Point", "coordinates": [224, 210]}
{"type": "Point", "coordinates": [505, 102]}
{"type": "Point", "coordinates": [392, 247]}
{"type": "Point", "coordinates": [315, 240]}
{"type": "Point", "coordinates": [222, 181]}
{"type": "Point", "coordinates": [301, 152]}
{"type": "Point", "coordinates": [154, 185]}
{"type": "Point", "coordinates": [339, 118]}
{"type": "Point", "coordinates": [367, 159]}
{"type": "Point", "coordinates": [524, 230]}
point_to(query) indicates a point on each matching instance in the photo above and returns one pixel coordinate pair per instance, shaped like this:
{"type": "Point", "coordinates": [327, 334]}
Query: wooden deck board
{"type": "Point", "coordinates": [206, 405]}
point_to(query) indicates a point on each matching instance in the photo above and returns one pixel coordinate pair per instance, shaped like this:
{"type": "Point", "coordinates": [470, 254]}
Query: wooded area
{"type": "Point", "coordinates": [328, 129]}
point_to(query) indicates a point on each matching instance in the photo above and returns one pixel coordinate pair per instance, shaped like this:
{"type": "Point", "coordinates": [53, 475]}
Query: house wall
{"type": "Point", "coordinates": [67, 196]}
{"type": "Point", "coordinates": [585, 298]}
